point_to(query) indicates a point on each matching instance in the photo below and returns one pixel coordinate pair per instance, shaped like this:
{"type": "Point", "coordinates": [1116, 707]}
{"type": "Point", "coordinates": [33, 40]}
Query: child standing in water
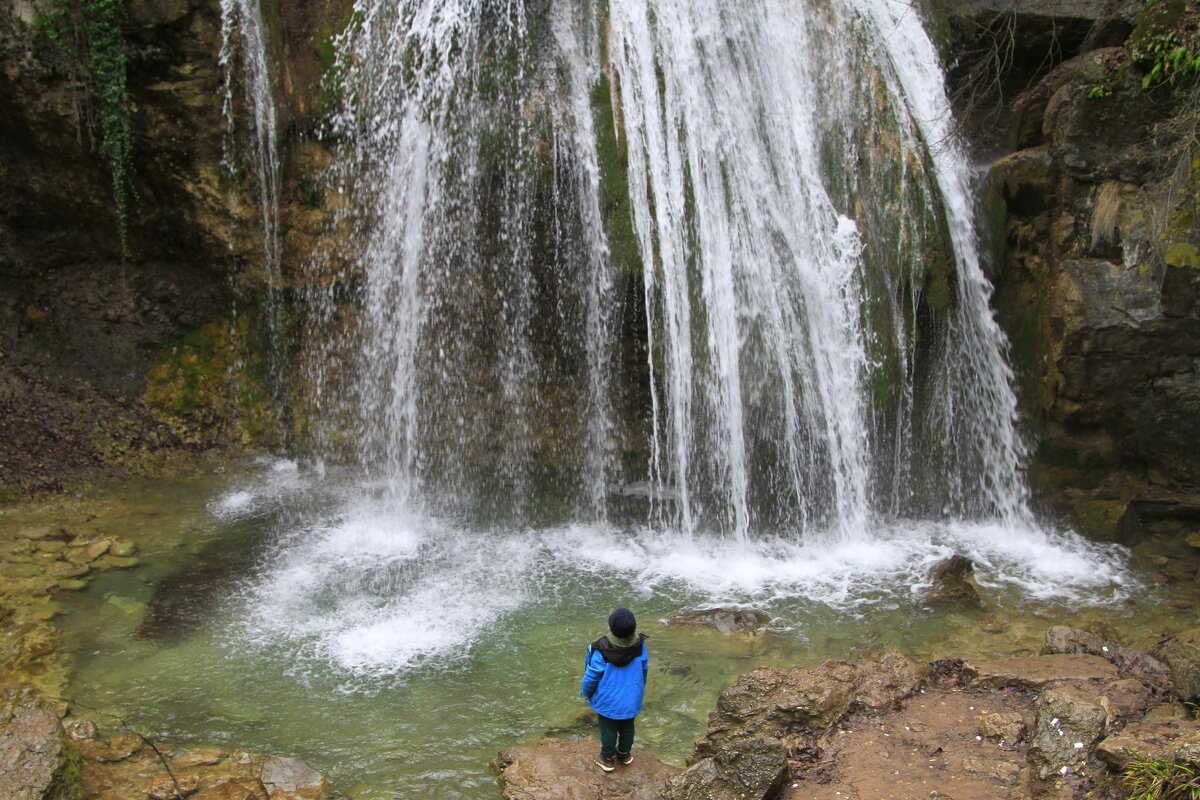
{"type": "Point", "coordinates": [614, 683]}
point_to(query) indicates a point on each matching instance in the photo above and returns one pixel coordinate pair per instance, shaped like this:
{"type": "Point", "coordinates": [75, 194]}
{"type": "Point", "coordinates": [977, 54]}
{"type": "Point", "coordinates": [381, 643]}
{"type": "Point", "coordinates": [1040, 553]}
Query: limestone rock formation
{"type": "Point", "coordinates": [745, 768]}
{"type": "Point", "coordinates": [1130, 662]}
{"type": "Point", "coordinates": [765, 702]}
{"type": "Point", "coordinates": [1069, 724]}
{"type": "Point", "coordinates": [1156, 738]}
{"type": "Point", "coordinates": [1093, 222]}
{"type": "Point", "coordinates": [1037, 672]}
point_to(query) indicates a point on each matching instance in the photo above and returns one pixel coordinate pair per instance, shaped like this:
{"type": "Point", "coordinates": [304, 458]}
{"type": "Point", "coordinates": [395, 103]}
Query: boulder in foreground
{"type": "Point", "coordinates": [35, 760]}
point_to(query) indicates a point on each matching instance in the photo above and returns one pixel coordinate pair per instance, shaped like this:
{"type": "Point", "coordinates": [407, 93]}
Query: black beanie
{"type": "Point", "coordinates": [622, 623]}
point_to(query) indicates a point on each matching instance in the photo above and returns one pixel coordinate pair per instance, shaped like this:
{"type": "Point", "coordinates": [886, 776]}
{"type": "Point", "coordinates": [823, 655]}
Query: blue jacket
{"type": "Point", "coordinates": [612, 691]}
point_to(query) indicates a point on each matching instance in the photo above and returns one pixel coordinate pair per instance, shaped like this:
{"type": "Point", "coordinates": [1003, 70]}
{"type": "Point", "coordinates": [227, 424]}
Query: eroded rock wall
{"type": "Point", "coordinates": [1092, 205]}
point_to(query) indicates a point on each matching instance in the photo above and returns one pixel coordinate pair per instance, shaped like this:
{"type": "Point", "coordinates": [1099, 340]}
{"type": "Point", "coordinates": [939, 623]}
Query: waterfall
{"type": "Point", "coordinates": [757, 279]}
{"type": "Point", "coordinates": [248, 74]}
{"type": "Point", "coordinates": [481, 276]}
{"type": "Point", "coordinates": [679, 301]}
{"type": "Point", "coordinates": [818, 349]}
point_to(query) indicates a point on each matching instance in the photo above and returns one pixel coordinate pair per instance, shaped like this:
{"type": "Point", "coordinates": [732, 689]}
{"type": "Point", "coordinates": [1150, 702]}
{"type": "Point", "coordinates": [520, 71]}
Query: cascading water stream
{"type": "Point", "coordinates": [982, 408]}
{"type": "Point", "coordinates": [756, 284]}
{"type": "Point", "coordinates": [247, 67]}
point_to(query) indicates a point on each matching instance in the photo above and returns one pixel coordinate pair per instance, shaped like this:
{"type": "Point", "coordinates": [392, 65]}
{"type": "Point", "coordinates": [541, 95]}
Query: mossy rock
{"type": "Point", "coordinates": [615, 208]}
{"type": "Point", "coordinates": [1156, 19]}
{"type": "Point", "coordinates": [1183, 254]}
{"type": "Point", "coordinates": [213, 382]}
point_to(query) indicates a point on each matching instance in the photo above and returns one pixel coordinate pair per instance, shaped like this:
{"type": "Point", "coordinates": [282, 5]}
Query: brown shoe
{"type": "Point", "coordinates": [606, 764]}
{"type": "Point", "coordinates": [625, 758]}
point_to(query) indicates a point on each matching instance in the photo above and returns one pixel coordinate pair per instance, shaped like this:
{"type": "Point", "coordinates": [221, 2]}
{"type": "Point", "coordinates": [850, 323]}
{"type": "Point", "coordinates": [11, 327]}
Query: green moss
{"type": "Point", "coordinates": [615, 207]}
{"type": "Point", "coordinates": [216, 377]}
{"type": "Point", "coordinates": [1026, 352]}
{"type": "Point", "coordinates": [1183, 254]}
{"type": "Point", "coordinates": [327, 47]}
{"type": "Point", "coordinates": [936, 16]}
{"type": "Point", "coordinates": [68, 783]}
{"type": "Point", "coordinates": [1157, 19]}
{"type": "Point", "coordinates": [332, 95]}
{"type": "Point", "coordinates": [9, 494]}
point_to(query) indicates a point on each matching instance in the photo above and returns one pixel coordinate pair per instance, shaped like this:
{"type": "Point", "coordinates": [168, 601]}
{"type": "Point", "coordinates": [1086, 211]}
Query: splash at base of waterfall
{"type": "Point", "coordinates": [371, 589]}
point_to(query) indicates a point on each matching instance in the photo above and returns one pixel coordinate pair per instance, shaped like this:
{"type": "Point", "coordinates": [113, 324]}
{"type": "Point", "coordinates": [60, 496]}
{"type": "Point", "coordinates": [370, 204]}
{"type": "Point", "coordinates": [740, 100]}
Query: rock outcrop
{"type": "Point", "coordinates": [36, 760]}
{"type": "Point", "coordinates": [1093, 219]}
{"type": "Point", "coordinates": [1018, 728]}
{"type": "Point", "coordinates": [1130, 662]}
{"type": "Point", "coordinates": [88, 315]}
{"type": "Point", "coordinates": [774, 702]}
{"type": "Point", "coordinates": [1038, 672]}
{"type": "Point", "coordinates": [122, 765]}
{"type": "Point", "coordinates": [1069, 724]}
{"type": "Point", "coordinates": [949, 585]}
{"type": "Point", "coordinates": [1159, 737]}
{"type": "Point", "coordinates": [746, 767]}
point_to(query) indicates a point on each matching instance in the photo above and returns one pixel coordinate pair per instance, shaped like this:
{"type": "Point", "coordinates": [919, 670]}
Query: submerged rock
{"type": "Point", "coordinates": [746, 621]}
{"type": "Point", "coordinates": [560, 770]}
{"type": "Point", "coordinates": [35, 760]}
{"type": "Point", "coordinates": [291, 778]}
{"type": "Point", "coordinates": [116, 748]}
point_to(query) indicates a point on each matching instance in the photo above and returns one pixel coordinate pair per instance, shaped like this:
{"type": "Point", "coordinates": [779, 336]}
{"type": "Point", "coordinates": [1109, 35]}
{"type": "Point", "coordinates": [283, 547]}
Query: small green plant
{"type": "Point", "coordinates": [1100, 91]}
{"type": "Point", "coordinates": [1159, 779]}
{"type": "Point", "coordinates": [1171, 60]}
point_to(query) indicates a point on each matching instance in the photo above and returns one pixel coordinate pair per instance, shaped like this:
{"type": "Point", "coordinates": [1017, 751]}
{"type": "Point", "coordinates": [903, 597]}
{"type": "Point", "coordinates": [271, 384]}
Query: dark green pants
{"type": "Point", "coordinates": [616, 736]}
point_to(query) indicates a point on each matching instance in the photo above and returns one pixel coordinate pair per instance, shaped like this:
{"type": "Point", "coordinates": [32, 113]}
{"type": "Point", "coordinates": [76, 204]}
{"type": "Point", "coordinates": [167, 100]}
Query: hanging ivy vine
{"type": "Point", "coordinates": [88, 36]}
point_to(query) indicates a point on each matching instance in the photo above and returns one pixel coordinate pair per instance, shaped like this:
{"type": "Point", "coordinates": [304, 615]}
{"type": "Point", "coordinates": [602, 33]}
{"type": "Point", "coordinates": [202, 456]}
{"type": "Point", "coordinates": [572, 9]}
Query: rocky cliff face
{"type": "Point", "coordinates": [1093, 215]}
{"type": "Point", "coordinates": [112, 351]}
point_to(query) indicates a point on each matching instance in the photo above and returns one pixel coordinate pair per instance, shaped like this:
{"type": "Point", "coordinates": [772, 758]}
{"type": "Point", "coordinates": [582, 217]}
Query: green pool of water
{"type": "Point", "coordinates": [206, 642]}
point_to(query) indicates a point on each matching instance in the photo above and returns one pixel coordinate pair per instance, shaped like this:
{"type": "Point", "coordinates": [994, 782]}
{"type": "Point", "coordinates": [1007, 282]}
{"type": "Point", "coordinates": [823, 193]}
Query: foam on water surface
{"type": "Point", "coordinates": [371, 589]}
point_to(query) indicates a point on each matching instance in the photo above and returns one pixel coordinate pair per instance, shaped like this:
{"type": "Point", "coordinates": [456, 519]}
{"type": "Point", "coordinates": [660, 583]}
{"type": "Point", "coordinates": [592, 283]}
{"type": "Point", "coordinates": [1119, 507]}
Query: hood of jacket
{"type": "Point", "coordinates": [618, 655]}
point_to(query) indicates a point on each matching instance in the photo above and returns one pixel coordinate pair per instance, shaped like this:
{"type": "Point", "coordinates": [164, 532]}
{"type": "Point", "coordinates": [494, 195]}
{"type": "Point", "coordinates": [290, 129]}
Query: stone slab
{"type": "Point", "coordinates": [563, 770]}
{"type": "Point", "coordinates": [1037, 672]}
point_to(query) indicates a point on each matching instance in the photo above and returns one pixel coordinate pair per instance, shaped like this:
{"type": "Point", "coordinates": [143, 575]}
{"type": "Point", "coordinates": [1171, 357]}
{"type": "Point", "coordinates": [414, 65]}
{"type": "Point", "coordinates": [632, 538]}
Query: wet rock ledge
{"type": "Point", "coordinates": [39, 760]}
{"type": "Point", "coordinates": [1066, 724]}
